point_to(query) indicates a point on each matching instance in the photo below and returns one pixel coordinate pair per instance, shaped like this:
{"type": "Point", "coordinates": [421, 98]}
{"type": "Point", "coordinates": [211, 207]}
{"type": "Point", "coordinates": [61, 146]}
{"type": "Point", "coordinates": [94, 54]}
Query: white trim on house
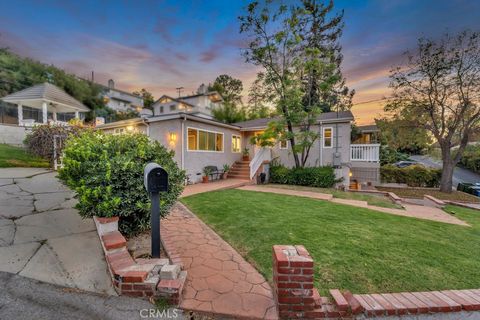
{"type": "Point", "coordinates": [280, 145]}
{"type": "Point", "coordinates": [198, 140]}
{"type": "Point", "coordinates": [331, 137]}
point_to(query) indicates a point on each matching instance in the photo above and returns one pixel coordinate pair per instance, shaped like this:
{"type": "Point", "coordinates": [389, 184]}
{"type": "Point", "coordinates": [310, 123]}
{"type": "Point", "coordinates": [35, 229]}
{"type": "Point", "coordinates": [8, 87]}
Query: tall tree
{"type": "Point", "coordinates": [257, 101]}
{"type": "Point", "coordinates": [278, 44]}
{"type": "Point", "coordinates": [322, 32]}
{"type": "Point", "coordinates": [148, 99]}
{"type": "Point", "coordinates": [231, 110]}
{"type": "Point", "coordinates": [440, 86]}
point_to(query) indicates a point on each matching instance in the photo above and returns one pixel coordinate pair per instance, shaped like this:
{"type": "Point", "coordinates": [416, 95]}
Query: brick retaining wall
{"type": "Point", "coordinates": [296, 297]}
{"type": "Point", "coordinates": [141, 277]}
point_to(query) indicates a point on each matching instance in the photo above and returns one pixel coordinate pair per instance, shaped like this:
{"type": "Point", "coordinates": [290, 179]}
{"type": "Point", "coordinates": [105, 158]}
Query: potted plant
{"type": "Point", "coordinates": [206, 174]}
{"type": "Point", "coordinates": [246, 154]}
{"type": "Point", "coordinates": [226, 168]}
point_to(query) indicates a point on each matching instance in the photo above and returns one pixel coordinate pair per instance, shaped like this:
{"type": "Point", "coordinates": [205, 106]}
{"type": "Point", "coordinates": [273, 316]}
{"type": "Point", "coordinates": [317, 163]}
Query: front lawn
{"type": "Point", "coordinates": [354, 248]}
{"type": "Point", "coordinates": [371, 199]}
{"type": "Point", "coordinates": [418, 193]}
{"type": "Point", "coordinates": [11, 156]}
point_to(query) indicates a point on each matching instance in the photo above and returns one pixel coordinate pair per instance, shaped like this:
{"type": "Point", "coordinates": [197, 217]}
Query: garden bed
{"type": "Point", "coordinates": [419, 193]}
{"type": "Point", "coordinates": [357, 249]}
{"type": "Point", "coordinates": [379, 200]}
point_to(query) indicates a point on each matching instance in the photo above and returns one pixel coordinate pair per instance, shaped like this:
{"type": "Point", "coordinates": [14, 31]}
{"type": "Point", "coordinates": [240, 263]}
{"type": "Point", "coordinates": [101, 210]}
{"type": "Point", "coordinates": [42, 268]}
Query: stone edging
{"type": "Point", "coordinates": [140, 277]}
{"type": "Point", "coordinates": [297, 298]}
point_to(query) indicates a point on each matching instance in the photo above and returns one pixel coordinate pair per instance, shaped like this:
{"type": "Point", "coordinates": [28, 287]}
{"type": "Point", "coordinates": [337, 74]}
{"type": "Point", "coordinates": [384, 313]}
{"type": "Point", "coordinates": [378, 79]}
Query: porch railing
{"type": "Point", "coordinates": [365, 152]}
{"type": "Point", "coordinates": [263, 154]}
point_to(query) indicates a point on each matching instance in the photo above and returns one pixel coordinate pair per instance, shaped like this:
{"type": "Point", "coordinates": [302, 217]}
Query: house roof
{"type": "Point", "coordinates": [323, 117]}
{"type": "Point", "coordinates": [118, 90]}
{"type": "Point", "coordinates": [46, 91]}
{"type": "Point", "coordinates": [175, 99]}
{"type": "Point", "coordinates": [368, 128]}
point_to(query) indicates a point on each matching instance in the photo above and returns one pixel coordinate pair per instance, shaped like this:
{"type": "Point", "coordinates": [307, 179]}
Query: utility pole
{"type": "Point", "coordinates": [179, 91]}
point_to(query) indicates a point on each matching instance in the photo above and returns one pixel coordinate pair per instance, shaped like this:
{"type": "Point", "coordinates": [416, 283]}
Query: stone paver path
{"type": "Point", "coordinates": [411, 210]}
{"type": "Point", "coordinates": [219, 280]}
{"type": "Point", "coordinates": [43, 237]}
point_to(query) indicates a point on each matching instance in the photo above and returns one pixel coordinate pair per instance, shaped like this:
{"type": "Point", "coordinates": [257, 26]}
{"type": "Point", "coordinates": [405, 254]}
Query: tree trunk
{"type": "Point", "coordinates": [446, 181]}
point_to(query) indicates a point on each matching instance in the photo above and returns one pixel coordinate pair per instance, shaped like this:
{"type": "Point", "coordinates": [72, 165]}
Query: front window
{"type": "Point", "coordinates": [236, 143]}
{"type": "Point", "coordinates": [327, 137]}
{"type": "Point", "coordinates": [202, 140]}
{"type": "Point", "coordinates": [161, 109]}
{"type": "Point", "coordinates": [173, 107]}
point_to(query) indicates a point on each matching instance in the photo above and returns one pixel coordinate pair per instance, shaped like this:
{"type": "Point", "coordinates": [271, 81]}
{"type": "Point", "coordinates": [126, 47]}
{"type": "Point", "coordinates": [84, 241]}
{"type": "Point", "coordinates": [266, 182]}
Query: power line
{"type": "Point", "coordinates": [370, 101]}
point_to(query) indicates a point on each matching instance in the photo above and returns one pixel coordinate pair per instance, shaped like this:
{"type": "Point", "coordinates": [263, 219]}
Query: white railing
{"type": "Point", "coordinates": [365, 152]}
{"type": "Point", "coordinates": [261, 155]}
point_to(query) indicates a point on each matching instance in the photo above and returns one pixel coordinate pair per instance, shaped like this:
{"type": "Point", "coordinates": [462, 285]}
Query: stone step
{"type": "Point", "coordinates": [239, 176]}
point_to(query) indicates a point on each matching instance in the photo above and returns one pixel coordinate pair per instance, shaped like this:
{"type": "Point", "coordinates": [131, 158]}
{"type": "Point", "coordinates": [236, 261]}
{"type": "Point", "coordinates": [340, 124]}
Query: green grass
{"type": "Point", "coordinates": [373, 200]}
{"type": "Point", "coordinates": [353, 248]}
{"type": "Point", "coordinates": [418, 193]}
{"type": "Point", "coordinates": [11, 156]}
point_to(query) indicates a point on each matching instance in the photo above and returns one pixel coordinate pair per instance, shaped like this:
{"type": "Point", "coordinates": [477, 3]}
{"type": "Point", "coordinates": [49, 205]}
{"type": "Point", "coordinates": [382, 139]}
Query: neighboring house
{"type": "Point", "coordinates": [201, 103]}
{"type": "Point", "coordinates": [200, 141]}
{"type": "Point", "coordinates": [119, 100]}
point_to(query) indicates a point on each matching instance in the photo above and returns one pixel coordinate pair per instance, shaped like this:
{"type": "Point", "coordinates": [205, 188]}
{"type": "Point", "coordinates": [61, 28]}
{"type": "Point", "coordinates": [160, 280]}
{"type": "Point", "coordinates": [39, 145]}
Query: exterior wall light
{"type": "Point", "coordinates": [172, 138]}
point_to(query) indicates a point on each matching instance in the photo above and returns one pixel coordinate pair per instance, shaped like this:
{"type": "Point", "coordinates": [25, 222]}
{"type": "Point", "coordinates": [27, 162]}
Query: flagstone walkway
{"type": "Point", "coordinates": [219, 280]}
{"type": "Point", "coordinates": [411, 210]}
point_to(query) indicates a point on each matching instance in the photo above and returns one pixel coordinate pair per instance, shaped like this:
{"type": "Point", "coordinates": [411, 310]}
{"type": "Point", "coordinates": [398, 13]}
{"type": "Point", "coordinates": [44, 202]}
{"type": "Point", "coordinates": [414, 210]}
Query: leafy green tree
{"type": "Point", "coordinates": [322, 33]}
{"type": "Point", "coordinates": [257, 102]}
{"type": "Point", "coordinates": [148, 99]}
{"type": "Point", "coordinates": [278, 44]}
{"type": "Point", "coordinates": [231, 110]}
{"type": "Point", "coordinates": [439, 90]}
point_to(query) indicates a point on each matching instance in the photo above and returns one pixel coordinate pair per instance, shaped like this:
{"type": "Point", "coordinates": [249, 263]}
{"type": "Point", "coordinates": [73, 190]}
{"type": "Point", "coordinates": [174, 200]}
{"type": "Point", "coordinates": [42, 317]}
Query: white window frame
{"type": "Point", "coordinates": [280, 145]}
{"type": "Point", "coordinates": [198, 142]}
{"type": "Point", "coordinates": [120, 130]}
{"type": "Point", "coordinates": [323, 137]}
{"type": "Point", "coordinates": [240, 140]}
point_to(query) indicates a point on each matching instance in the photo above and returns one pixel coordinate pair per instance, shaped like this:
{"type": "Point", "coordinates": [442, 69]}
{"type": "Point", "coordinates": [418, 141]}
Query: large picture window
{"type": "Point", "coordinates": [236, 143]}
{"type": "Point", "coordinates": [202, 140]}
{"type": "Point", "coordinates": [327, 137]}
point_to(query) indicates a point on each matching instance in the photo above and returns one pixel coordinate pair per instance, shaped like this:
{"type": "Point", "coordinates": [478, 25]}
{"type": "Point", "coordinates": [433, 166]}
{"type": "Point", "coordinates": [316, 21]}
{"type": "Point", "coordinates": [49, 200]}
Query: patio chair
{"type": "Point", "coordinates": [215, 173]}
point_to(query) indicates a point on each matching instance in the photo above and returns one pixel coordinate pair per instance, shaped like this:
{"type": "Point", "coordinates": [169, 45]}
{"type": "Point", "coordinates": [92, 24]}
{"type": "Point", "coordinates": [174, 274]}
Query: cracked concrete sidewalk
{"type": "Point", "coordinates": [23, 298]}
{"type": "Point", "coordinates": [43, 237]}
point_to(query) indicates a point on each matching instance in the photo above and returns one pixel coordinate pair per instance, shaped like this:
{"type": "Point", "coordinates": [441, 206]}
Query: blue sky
{"type": "Point", "coordinates": [161, 45]}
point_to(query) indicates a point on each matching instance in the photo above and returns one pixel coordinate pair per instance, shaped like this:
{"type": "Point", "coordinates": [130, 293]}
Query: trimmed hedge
{"type": "Point", "coordinates": [413, 176]}
{"type": "Point", "coordinates": [322, 177]}
{"type": "Point", "coordinates": [106, 171]}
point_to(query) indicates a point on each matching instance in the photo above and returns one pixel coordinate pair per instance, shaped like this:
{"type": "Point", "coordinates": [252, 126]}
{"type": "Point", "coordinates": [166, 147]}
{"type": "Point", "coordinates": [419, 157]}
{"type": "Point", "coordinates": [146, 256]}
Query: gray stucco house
{"type": "Point", "coordinates": [185, 125]}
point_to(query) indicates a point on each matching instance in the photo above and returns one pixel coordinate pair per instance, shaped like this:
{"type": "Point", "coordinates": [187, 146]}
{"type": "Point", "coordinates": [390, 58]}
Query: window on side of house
{"type": "Point", "coordinates": [119, 130]}
{"type": "Point", "coordinates": [283, 144]}
{"type": "Point", "coordinates": [161, 109]}
{"type": "Point", "coordinates": [327, 137]}
{"type": "Point", "coordinates": [236, 143]}
{"type": "Point", "coordinates": [173, 107]}
{"type": "Point", "coordinates": [202, 140]}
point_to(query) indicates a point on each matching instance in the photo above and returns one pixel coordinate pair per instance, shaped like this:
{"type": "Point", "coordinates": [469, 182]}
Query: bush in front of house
{"type": "Point", "coordinates": [321, 177]}
{"type": "Point", "coordinates": [106, 171]}
{"type": "Point", "coordinates": [389, 155]}
{"type": "Point", "coordinates": [413, 176]}
{"type": "Point", "coordinates": [40, 141]}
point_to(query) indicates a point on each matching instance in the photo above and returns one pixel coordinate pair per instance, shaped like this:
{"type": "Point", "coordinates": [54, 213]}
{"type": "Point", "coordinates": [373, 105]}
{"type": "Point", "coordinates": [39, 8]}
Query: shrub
{"type": "Point", "coordinates": [471, 158]}
{"type": "Point", "coordinates": [106, 171]}
{"type": "Point", "coordinates": [322, 177]}
{"type": "Point", "coordinates": [413, 176]}
{"type": "Point", "coordinates": [388, 155]}
{"type": "Point", "coordinates": [40, 140]}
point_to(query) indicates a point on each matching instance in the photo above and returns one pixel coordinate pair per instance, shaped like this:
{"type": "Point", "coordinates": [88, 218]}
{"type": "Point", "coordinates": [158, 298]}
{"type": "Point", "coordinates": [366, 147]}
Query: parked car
{"type": "Point", "coordinates": [471, 188]}
{"type": "Point", "coordinates": [407, 163]}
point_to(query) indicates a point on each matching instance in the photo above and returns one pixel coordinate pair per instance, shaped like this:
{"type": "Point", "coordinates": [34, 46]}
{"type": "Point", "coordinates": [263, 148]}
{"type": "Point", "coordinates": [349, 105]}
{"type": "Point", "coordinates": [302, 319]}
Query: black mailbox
{"type": "Point", "coordinates": [155, 178]}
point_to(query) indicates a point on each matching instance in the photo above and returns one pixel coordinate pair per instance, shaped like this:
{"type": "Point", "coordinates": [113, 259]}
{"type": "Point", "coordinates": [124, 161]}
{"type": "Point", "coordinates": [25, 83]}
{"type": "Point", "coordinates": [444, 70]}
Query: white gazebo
{"type": "Point", "coordinates": [48, 98]}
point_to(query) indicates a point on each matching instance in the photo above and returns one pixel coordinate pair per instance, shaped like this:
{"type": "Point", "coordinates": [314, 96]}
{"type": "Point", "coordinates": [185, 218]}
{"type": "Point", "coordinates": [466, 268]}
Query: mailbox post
{"type": "Point", "coordinates": [156, 180]}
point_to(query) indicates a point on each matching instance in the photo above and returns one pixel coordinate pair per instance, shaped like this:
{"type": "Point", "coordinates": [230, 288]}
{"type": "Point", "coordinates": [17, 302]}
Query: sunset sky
{"type": "Point", "coordinates": [161, 45]}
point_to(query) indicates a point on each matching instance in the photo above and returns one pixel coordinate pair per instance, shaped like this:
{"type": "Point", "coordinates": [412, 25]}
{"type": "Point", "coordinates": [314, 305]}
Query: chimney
{"type": "Point", "coordinates": [111, 84]}
{"type": "Point", "coordinates": [202, 89]}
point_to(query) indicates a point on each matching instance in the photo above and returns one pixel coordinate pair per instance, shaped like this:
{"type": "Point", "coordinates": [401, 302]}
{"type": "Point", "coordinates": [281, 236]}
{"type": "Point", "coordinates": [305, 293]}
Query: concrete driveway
{"type": "Point", "coordinates": [43, 237]}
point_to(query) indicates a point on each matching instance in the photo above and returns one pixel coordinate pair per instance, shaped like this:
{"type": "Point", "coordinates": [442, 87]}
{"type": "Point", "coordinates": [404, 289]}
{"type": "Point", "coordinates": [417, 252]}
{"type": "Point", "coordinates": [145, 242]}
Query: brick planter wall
{"type": "Point", "coordinates": [140, 277]}
{"type": "Point", "coordinates": [296, 298]}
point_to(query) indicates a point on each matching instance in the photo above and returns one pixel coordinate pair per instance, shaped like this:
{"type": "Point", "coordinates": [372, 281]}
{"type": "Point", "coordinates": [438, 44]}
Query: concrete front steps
{"type": "Point", "coordinates": [240, 170]}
